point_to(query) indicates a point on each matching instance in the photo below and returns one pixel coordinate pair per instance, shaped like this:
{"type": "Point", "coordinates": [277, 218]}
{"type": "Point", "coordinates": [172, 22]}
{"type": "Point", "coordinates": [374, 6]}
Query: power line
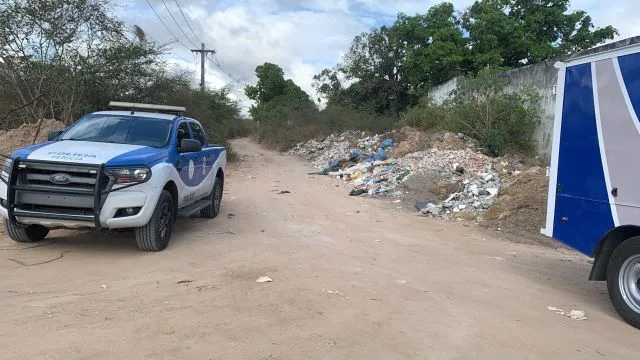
{"type": "Point", "coordinates": [216, 63]}
{"type": "Point", "coordinates": [178, 25]}
{"type": "Point", "coordinates": [165, 25]}
{"type": "Point", "coordinates": [185, 20]}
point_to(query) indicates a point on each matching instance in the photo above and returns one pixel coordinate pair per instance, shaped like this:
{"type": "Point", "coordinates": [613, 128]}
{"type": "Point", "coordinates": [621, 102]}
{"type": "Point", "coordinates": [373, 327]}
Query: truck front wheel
{"type": "Point", "coordinates": [31, 233]}
{"type": "Point", "coordinates": [623, 280]}
{"type": "Point", "coordinates": [156, 234]}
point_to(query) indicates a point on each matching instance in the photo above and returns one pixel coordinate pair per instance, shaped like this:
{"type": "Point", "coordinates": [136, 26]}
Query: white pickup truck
{"type": "Point", "coordinates": [135, 166]}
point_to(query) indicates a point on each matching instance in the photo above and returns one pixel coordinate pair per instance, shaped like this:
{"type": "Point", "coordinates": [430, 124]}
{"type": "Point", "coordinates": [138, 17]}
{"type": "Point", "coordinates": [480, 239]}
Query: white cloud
{"type": "Point", "coordinates": [301, 36]}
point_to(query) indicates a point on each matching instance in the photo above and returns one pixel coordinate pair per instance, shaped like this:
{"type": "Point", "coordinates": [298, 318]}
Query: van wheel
{"type": "Point", "coordinates": [156, 234]}
{"type": "Point", "coordinates": [215, 196]}
{"type": "Point", "coordinates": [623, 280]}
{"type": "Point", "coordinates": [31, 233]}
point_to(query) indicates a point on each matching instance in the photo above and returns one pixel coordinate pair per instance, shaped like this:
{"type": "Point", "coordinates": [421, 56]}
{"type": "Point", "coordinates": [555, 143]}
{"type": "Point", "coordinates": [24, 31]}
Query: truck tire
{"type": "Point", "coordinates": [623, 280]}
{"type": "Point", "coordinates": [156, 234]}
{"type": "Point", "coordinates": [31, 233]}
{"type": "Point", "coordinates": [215, 196]}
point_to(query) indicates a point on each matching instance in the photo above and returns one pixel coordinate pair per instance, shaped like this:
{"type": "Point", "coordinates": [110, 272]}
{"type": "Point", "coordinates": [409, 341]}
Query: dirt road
{"type": "Point", "coordinates": [352, 279]}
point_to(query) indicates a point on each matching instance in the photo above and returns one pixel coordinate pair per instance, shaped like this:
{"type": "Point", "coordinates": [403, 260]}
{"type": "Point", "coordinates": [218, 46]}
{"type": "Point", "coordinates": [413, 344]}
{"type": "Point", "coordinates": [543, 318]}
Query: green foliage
{"type": "Point", "coordinates": [271, 84]}
{"type": "Point", "coordinates": [427, 116]}
{"type": "Point", "coordinates": [514, 33]}
{"type": "Point", "coordinates": [441, 56]}
{"type": "Point", "coordinates": [302, 125]}
{"type": "Point", "coordinates": [285, 115]}
{"type": "Point", "coordinates": [483, 108]}
{"type": "Point", "coordinates": [375, 61]}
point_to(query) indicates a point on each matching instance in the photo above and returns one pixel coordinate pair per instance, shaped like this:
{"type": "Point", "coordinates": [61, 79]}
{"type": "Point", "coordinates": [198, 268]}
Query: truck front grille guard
{"type": "Point", "coordinates": [99, 191]}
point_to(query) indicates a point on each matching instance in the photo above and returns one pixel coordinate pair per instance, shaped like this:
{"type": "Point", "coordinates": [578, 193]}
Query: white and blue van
{"type": "Point", "coordinates": [594, 193]}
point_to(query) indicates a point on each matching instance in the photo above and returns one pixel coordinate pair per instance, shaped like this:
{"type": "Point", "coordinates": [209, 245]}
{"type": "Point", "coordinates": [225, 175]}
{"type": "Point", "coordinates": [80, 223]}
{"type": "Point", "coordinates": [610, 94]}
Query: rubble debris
{"type": "Point", "coordinates": [573, 314]}
{"type": "Point", "coordinates": [334, 292]}
{"type": "Point", "coordinates": [457, 179]}
{"type": "Point", "coordinates": [477, 195]}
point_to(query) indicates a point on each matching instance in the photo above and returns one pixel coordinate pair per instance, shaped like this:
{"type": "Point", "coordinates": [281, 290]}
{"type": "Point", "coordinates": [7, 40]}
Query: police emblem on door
{"type": "Point", "coordinates": [192, 169]}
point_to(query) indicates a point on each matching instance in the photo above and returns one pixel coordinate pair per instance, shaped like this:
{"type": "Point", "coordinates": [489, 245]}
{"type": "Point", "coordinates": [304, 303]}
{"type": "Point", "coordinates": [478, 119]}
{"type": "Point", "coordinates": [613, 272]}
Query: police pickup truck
{"type": "Point", "coordinates": [136, 166]}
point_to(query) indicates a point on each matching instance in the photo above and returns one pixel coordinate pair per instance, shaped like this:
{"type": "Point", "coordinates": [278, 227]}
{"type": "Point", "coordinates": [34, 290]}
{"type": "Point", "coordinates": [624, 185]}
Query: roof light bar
{"type": "Point", "coordinates": [151, 107]}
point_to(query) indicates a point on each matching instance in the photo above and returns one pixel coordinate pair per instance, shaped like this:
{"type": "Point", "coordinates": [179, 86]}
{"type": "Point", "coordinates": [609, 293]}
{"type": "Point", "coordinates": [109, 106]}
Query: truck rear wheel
{"type": "Point", "coordinates": [623, 280]}
{"type": "Point", "coordinates": [212, 210]}
{"type": "Point", "coordinates": [156, 234]}
{"type": "Point", "coordinates": [31, 233]}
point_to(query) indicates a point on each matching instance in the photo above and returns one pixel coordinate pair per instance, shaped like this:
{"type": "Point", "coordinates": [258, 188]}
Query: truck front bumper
{"type": "Point", "coordinates": [88, 200]}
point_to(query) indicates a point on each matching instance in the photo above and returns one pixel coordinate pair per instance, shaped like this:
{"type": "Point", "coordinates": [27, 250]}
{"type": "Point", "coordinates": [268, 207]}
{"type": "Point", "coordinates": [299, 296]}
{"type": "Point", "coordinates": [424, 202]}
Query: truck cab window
{"type": "Point", "coordinates": [183, 132]}
{"type": "Point", "coordinates": [198, 133]}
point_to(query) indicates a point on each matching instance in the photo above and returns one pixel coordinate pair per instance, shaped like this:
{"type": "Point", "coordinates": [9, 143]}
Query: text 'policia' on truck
{"type": "Point", "coordinates": [134, 166]}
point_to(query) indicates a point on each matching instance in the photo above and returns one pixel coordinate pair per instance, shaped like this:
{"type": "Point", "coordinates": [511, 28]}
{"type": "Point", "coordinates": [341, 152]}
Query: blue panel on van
{"type": "Point", "coordinates": [582, 192]}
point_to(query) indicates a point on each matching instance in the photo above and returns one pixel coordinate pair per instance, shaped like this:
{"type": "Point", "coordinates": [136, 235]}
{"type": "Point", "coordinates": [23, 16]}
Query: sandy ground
{"type": "Point", "coordinates": [352, 279]}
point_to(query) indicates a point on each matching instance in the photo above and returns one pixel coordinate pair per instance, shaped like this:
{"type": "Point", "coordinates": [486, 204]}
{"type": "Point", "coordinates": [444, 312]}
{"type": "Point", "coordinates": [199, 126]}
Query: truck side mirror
{"type": "Point", "coordinates": [189, 145]}
{"type": "Point", "coordinates": [54, 134]}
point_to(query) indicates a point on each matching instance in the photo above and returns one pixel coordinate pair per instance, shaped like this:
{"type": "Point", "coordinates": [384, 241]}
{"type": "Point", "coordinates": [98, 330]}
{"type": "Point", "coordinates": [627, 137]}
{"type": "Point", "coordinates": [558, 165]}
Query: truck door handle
{"type": "Point", "coordinates": [178, 165]}
{"type": "Point", "coordinates": [614, 192]}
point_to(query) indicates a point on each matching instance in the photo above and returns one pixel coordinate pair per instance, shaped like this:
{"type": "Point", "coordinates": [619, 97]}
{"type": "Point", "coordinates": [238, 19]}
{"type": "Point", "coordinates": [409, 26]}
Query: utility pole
{"type": "Point", "coordinates": [203, 53]}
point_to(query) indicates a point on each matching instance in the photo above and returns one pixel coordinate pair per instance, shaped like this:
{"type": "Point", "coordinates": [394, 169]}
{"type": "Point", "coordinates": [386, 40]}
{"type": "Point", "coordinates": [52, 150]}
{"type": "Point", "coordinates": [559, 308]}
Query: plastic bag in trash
{"type": "Point", "coordinates": [385, 143]}
{"type": "Point", "coordinates": [380, 155]}
{"type": "Point", "coordinates": [357, 192]}
{"type": "Point", "coordinates": [355, 154]}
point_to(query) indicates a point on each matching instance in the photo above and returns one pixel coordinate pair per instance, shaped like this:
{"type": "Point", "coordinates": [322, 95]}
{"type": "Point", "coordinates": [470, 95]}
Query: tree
{"type": "Point", "coordinates": [514, 33]}
{"type": "Point", "coordinates": [328, 85]}
{"type": "Point", "coordinates": [376, 61]}
{"type": "Point", "coordinates": [271, 83]}
{"type": "Point", "coordinates": [273, 93]}
{"type": "Point", "coordinates": [63, 58]}
{"type": "Point", "coordinates": [435, 47]}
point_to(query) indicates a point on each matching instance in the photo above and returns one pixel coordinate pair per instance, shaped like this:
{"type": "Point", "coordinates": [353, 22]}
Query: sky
{"type": "Point", "coordinates": [301, 36]}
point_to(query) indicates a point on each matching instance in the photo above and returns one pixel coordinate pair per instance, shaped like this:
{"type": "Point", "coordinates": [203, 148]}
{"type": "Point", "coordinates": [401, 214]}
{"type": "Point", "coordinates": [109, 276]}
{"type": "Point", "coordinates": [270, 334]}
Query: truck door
{"type": "Point", "coordinates": [203, 162]}
{"type": "Point", "coordinates": [186, 167]}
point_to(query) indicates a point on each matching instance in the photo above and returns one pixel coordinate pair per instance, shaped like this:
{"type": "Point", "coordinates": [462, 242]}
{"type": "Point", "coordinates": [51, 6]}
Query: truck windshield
{"type": "Point", "coordinates": [133, 130]}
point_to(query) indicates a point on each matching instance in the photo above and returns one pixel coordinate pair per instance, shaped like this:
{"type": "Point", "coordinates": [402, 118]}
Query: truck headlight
{"type": "Point", "coordinates": [128, 175]}
{"type": "Point", "coordinates": [6, 169]}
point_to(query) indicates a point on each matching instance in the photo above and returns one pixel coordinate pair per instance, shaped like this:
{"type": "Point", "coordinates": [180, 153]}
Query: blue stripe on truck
{"type": "Point", "coordinates": [582, 192]}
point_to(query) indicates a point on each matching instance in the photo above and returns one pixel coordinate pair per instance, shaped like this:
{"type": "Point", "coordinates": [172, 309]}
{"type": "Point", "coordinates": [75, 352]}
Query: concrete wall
{"type": "Point", "coordinates": [543, 77]}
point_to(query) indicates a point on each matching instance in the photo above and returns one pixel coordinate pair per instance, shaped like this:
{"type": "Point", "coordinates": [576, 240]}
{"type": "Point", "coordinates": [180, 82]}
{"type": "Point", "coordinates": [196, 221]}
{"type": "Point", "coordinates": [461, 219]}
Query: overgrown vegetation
{"type": "Point", "coordinates": [284, 114]}
{"type": "Point", "coordinates": [387, 73]}
{"type": "Point", "coordinates": [63, 58]}
{"type": "Point", "coordinates": [482, 108]}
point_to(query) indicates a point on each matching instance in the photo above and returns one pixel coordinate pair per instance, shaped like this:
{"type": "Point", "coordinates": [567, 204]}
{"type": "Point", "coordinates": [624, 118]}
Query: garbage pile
{"type": "Point", "coordinates": [369, 171]}
{"type": "Point", "coordinates": [443, 162]}
{"type": "Point", "coordinates": [333, 147]}
{"type": "Point", "coordinates": [477, 195]}
{"type": "Point", "coordinates": [366, 164]}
